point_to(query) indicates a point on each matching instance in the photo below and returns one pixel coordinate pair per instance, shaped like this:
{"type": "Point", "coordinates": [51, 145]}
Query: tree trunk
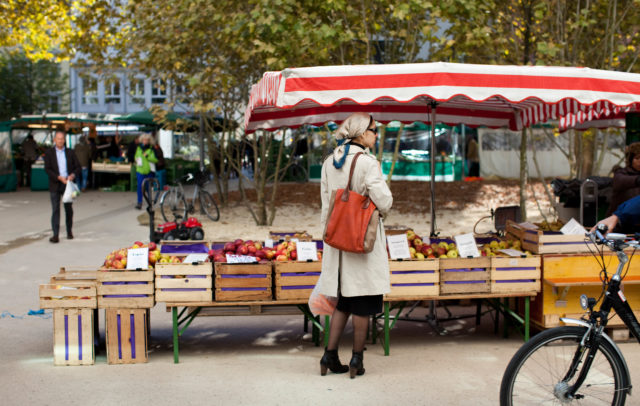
{"type": "Point", "coordinates": [383, 135]}
{"type": "Point", "coordinates": [395, 153]}
{"type": "Point", "coordinates": [523, 175]}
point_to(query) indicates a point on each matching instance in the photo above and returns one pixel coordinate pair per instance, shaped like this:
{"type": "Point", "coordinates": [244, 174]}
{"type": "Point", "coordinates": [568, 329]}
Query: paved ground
{"type": "Point", "coordinates": [226, 360]}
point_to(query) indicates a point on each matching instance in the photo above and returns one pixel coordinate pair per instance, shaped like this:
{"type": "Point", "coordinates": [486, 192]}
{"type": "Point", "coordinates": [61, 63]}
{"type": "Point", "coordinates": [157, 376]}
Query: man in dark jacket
{"type": "Point", "coordinates": [626, 218]}
{"type": "Point", "coordinates": [61, 165]}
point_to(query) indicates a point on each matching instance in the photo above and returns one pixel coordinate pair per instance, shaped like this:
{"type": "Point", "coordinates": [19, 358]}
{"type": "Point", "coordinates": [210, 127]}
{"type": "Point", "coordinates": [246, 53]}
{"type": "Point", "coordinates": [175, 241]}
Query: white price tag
{"type": "Point", "coordinates": [268, 243]}
{"type": "Point", "coordinates": [573, 228]}
{"type": "Point", "coordinates": [138, 258]}
{"type": "Point", "coordinates": [191, 258]}
{"type": "Point", "coordinates": [307, 250]}
{"type": "Point", "coordinates": [467, 246]}
{"type": "Point", "coordinates": [512, 253]}
{"type": "Point", "coordinates": [398, 246]}
{"type": "Point", "coordinates": [240, 259]}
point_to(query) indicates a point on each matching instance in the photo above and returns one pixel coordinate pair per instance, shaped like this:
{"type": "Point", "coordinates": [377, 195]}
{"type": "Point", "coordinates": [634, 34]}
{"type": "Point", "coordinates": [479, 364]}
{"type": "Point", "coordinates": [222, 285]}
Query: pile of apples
{"type": "Point", "coordinates": [420, 250]}
{"type": "Point", "coordinates": [493, 248]}
{"type": "Point", "coordinates": [284, 251]}
{"type": "Point", "coordinates": [118, 259]}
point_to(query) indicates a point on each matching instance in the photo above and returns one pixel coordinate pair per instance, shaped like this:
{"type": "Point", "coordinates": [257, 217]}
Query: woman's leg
{"type": "Point", "coordinates": [360, 326]}
{"type": "Point", "coordinates": [338, 321]}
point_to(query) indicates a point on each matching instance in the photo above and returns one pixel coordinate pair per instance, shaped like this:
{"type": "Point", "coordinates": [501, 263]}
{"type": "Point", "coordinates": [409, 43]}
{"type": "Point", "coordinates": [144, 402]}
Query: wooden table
{"type": "Point", "coordinates": [245, 308]}
{"type": "Point", "coordinates": [190, 310]}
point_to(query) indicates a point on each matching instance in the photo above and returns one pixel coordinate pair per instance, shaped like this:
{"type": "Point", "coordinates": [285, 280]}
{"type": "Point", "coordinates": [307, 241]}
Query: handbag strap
{"type": "Point", "coordinates": [345, 195]}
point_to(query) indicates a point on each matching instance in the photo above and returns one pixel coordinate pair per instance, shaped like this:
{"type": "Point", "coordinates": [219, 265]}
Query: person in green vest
{"type": "Point", "coordinates": [145, 160]}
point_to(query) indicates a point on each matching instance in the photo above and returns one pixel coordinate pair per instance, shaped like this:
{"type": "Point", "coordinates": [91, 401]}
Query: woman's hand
{"type": "Point", "coordinates": [610, 222]}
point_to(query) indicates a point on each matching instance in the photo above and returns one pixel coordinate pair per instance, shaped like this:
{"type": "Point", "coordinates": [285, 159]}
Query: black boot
{"type": "Point", "coordinates": [355, 366]}
{"type": "Point", "coordinates": [331, 361]}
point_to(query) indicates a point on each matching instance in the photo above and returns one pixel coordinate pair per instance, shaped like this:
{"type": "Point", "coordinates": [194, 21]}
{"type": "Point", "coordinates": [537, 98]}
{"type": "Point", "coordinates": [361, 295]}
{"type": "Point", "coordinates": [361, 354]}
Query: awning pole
{"type": "Point", "coordinates": [432, 154]}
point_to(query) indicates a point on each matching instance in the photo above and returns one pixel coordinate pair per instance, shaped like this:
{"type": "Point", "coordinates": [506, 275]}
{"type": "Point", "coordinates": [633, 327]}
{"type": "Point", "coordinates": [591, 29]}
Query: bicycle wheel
{"type": "Point", "coordinates": [208, 205]}
{"type": "Point", "coordinates": [173, 205]}
{"type": "Point", "coordinates": [536, 372]}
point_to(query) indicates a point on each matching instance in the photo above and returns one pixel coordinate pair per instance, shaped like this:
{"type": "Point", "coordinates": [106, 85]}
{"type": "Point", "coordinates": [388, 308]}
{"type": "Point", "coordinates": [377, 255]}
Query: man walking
{"type": "Point", "coordinates": [61, 165]}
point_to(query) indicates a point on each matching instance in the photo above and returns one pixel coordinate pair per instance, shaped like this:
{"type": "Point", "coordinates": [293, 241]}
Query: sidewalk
{"type": "Point", "coordinates": [257, 360]}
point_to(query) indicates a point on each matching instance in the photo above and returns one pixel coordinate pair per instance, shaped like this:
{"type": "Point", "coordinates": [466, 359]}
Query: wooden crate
{"type": "Point", "coordinates": [295, 280]}
{"type": "Point", "coordinates": [73, 337]}
{"type": "Point", "coordinates": [75, 274]}
{"type": "Point", "coordinates": [554, 242]}
{"type": "Point", "coordinates": [65, 295]}
{"type": "Point", "coordinates": [288, 235]}
{"type": "Point", "coordinates": [184, 282]}
{"type": "Point", "coordinates": [414, 278]}
{"type": "Point", "coordinates": [125, 289]}
{"type": "Point", "coordinates": [126, 332]}
{"type": "Point", "coordinates": [513, 275]}
{"type": "Point", "coordinates": [515, 230]}
{"type": "Point", "coordinates": [465, 275]}
{"type": "Point", "coordinates": [239, 282]}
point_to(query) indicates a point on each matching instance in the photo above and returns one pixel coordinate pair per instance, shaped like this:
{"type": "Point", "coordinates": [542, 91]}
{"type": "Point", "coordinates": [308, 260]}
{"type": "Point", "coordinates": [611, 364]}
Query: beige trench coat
{"type": "Point", "coordinates": [361, 274]}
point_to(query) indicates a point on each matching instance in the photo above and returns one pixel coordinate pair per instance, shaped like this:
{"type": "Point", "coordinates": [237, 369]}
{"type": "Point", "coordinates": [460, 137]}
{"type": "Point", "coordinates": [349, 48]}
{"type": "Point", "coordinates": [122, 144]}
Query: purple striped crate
{"type": "Point", "coordinates": [73, 337]}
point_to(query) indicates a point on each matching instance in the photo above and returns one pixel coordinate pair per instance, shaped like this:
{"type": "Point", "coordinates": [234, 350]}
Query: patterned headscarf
{"type": "Point", "coordinates": [354, 126]}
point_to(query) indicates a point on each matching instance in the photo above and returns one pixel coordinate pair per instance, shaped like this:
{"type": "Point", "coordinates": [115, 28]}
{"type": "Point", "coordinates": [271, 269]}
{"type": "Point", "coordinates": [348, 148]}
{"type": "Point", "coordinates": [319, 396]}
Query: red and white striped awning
{"type": "Point", "coordinates": [476, 95]}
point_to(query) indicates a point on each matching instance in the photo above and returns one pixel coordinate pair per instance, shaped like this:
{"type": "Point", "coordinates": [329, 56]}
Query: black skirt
{"type": "Point", "coordinates": [360, 305]}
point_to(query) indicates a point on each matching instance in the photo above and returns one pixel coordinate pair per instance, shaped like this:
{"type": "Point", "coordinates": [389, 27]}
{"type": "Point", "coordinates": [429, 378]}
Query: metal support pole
{"type": "Point", "coordinates": [174, 313]}
{"type": "Point", "coordinates": [432, 154]}
{"type": "Point", "coordinates": [201, 143]}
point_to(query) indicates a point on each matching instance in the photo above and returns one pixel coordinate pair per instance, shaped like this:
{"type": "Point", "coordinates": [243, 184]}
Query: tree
{"type": "Point", "coordinates": [28, 87]}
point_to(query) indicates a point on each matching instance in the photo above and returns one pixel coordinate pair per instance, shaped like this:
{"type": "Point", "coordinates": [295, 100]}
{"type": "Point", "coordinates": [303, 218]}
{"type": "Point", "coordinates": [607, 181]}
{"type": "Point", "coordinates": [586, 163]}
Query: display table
{"type": "Point", "coordinates": [115, 169]}
{"type": "Point", "coordinates": [289, 307]}
{"type": "Point", "coordinates": [190, 310]}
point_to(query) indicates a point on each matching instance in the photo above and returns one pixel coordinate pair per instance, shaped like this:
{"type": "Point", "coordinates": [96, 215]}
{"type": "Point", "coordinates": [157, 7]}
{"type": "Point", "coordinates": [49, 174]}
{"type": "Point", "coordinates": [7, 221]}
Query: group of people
{"type": "Point", "coordinates": [62, 165]}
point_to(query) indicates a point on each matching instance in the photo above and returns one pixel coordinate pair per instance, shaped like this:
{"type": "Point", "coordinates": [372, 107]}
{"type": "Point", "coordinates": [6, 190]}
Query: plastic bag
{"type": "Point", "coordinates": [71, 191]}
{"type": "Point", "coordinates": [320, 304]}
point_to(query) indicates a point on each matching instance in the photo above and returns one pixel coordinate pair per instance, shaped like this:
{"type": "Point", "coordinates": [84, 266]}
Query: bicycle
{"type": "Point", "coordinates": [579, 362]}
{"type": "Point", "coordinates": [174, 203]}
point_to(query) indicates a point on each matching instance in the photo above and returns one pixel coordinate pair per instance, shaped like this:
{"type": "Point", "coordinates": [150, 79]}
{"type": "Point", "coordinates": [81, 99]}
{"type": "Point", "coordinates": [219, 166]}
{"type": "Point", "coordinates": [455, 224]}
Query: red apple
{"type": "Point", "coordinates": [238, 242]}
{"type": "Point", "coordinates": [242, 250]}
{"type": "Point", "coordinates": [152, 246]}
{"type": "Point", "coordinates": [282, 258]}
{"type": "Point", "coordinates": [294, 255]}
{"type": "Point", "coordinates": [252, 249]}
{"type": "Point", "coordinates": [260, 254]}
{"type": "Point", "coordinates": [269, 254]}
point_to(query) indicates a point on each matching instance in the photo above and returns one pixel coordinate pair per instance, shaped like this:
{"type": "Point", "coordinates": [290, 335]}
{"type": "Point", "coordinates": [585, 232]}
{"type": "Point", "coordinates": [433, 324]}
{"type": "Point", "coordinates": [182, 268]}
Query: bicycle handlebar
{"type": "Point", "coordinates": [615, 242]}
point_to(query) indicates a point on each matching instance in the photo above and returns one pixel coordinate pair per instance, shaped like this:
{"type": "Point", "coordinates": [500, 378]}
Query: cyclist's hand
{"type": "Point", "coordinates": [610, 222]}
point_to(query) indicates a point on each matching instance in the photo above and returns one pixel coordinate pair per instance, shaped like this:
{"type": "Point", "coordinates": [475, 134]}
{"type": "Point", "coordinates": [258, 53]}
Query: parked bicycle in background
{"type": "Point", "coordinates": [175, 206]}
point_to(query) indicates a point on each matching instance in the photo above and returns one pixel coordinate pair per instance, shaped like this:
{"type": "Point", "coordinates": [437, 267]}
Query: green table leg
{"type": "Point", "coordinates": [315, 333]}
{"type": "Point", "coordinates": [505, 325]}
{"type": "Point", "coordinates": [526, 318]}
{"type": "Point", "coordinates": [327, 329]}
{"type": "Point", "coordinates": [386, 328]}
{"type": "Point", "coordinates": [174, 312]}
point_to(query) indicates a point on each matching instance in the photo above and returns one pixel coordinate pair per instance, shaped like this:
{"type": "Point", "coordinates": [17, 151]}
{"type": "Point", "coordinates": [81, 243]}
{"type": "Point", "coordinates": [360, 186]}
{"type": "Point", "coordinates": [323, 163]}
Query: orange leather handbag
{"type": "Point", "coordinates": [352, 219]}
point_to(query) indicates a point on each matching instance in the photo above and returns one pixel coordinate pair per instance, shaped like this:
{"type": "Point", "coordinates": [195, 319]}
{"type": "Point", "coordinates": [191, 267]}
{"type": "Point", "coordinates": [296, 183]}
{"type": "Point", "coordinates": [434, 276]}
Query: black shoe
{"type": "Point", "coordinates": [69, 235]}
{"type": "Point", "coordinates": [355, 366]}
{"type": "Point", "coordinates": [331, 361]}
{"type": "Point", "coordinates": [139, 206]}
{"type": "Point", "coordinates": [54, 239]}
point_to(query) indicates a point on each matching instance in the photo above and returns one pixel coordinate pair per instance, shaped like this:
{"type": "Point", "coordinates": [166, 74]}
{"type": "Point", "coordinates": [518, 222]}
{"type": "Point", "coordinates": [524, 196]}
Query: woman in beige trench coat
{"type": "Point", "coordinates": [358, 280]}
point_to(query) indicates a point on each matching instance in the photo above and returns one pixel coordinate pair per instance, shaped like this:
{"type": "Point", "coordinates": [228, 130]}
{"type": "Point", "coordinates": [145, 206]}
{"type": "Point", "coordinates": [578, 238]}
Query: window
{"type": "Point", "coordinates": [112, 94]}
{"type": "Point", "coordinates": [136, 91]}
{"type": "Point", "coordinates": [89, 90]}
{"type": "Point", "coordinates": [158, 91]}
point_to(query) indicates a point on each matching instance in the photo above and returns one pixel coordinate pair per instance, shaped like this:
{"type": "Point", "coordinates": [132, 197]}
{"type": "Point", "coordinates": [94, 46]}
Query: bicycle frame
{"type": "Point", "coordinates": [614, 298]}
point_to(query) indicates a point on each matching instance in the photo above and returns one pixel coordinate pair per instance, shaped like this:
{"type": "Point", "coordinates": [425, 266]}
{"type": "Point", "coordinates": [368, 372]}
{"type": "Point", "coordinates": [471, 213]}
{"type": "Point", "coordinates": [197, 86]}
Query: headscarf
{"type": "Point", "coordinates": [354, 126]}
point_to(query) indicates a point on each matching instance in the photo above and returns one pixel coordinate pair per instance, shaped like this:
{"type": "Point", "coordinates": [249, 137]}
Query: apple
{"type": "Point", "coordinates": [282, 258]}
{"type": "Point", "coordinates": [412, 251]}
{"type": "Point", "coordinates": [431, 256]}
{"type": "Point", "coordinates": [441, 251]}
{"type": "Point", "coordinates": [238, 242]}
{"type": "Point", "coordinates": [452, 246]}
{"type": "Point", "coordinates": [117, 264]}
{"type": "Point", "coordinates": [443, 256]}
{"type": "Point", "coordinates": [452, 254]}
{"type": "Point", "coordinates": [269, 254]}
{"type": "Point", "coordinates": [281, 246]}
{"type": "Point", "coordinates": [220, 258]}
{"type": "Point", "coordinates": [257, 245]}
{"type": "Point", "coordinates": [260, 254]}
{"type": "Point", "coordinates": [419, 255]}
{"type": "Point", "coordinates": [319, 256]}
{"type": "Point", "coordinates": [242, 250]}
{"type": "Point", "coordinates": [152, 258]}
{"type": "Point", "coordinates": [252, 249]}
{"type": "Point", "coordinates": [152, 246]}
{"type": "Point", "coordinates": [417, 241]}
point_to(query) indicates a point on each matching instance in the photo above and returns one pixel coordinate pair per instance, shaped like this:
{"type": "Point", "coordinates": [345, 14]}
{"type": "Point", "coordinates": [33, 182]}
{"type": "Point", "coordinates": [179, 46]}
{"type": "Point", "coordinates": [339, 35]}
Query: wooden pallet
{"type": "Point", "coordinates": [184, 282]}
{"type": "Point", "coordinates": [126, 332]}
{"type": "Point", "coordinates": [511, 275]}
{"type": "Point", "coordinates": [125, 289]}
{"type": "Point", "coordinates": [465, 275]}
{"type": "Point", "coordinates": [65, 295]}
{"type": "Point", "coordinates": [73, 337]}
{"type": "Point", "coordinates": [414, 278]}
{"type": "Point", "coordinates": [295, 280]}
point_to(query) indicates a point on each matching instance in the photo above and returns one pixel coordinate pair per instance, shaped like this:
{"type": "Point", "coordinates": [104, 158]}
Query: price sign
{"type": "Point", "coordinates": [467, 246]}
{"type": "Point", "coordinates": [138, 258]}
{"type": "Point", "coordinates": [398, 246]}
{"type": "Point", "coordinates": [240, 259]}
{"type": "Point", "coordinates": [307, 250]}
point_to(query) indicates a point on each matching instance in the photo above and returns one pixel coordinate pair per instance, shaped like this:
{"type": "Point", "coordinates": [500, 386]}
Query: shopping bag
{"type": "Point", "coordinates": [71, 191]}
{"type": "Point", "coordinates": [353, 219]}
{"type": "Point", "coordinates": [321, 305]}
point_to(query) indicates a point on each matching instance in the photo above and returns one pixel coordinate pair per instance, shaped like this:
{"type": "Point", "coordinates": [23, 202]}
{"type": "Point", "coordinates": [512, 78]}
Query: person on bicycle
{"type": "Point", "coordinates": [626, 217]}
{"type": "Point", "coordinates": [145, 158]}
